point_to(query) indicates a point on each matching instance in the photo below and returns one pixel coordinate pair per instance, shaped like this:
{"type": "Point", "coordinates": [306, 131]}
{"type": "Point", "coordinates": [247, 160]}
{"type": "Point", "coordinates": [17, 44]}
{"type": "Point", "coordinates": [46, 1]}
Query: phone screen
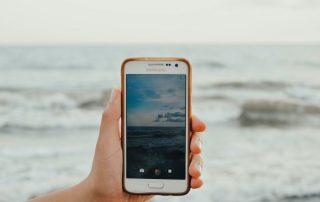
{"type": "Point", "coordinates": [156, 126]}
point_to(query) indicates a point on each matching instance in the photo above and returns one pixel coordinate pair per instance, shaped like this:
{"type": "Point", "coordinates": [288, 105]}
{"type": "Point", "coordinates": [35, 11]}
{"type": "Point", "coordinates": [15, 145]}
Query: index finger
{"type": "Point", "coordinates": [197, 124]}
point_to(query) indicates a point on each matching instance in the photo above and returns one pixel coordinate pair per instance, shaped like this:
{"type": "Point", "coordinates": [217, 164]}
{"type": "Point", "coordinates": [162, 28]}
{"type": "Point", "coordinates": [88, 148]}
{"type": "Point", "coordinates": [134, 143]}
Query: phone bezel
{"type": "Point", "coordinates": [156, 66]}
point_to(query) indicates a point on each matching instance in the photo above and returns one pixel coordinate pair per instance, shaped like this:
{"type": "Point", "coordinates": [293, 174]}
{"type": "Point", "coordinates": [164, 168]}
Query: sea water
{"type": "Point", "coordinates": [261, 104]}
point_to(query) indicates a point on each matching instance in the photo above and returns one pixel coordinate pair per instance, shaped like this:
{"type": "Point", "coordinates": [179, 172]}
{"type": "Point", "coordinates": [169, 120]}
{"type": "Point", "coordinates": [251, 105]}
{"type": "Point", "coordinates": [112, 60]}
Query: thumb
{"type": "Point", "coordinates": [109, 136]}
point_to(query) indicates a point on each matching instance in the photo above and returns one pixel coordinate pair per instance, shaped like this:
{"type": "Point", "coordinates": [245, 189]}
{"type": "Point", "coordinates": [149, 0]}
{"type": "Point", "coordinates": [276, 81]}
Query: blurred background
{"type": "Point", "coordinates": [256, 82]}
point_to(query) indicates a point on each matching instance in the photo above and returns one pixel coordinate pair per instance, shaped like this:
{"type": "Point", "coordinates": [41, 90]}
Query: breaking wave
{"type": "Point", "coordinates": [278, 113]}
{"type": "Point", "coordinates": [39, 110]}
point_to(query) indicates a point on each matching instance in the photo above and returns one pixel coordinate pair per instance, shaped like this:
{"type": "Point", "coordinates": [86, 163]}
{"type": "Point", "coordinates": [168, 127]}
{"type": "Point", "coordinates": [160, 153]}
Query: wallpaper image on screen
{"type": "Point", "coordinates": [156, 121]}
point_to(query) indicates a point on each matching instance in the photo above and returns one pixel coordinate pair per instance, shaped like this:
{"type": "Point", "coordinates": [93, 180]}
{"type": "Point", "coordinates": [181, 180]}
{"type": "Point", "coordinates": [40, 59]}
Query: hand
{"type": "Point", "coordinates": [104, 182]}
{"type": "Point", "coordinates": [106, 175]}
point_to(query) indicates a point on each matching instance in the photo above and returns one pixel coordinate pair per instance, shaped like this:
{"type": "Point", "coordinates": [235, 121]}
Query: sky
{"type": "Point", "coordinates": [155, 100]}
{"type": "Point", "coordinates": [157, 22]}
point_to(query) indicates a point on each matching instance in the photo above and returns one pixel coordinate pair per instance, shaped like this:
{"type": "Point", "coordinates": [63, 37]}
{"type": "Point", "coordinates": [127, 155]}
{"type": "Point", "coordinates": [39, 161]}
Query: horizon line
{"type": "Point", "coordinates": [157, 44]}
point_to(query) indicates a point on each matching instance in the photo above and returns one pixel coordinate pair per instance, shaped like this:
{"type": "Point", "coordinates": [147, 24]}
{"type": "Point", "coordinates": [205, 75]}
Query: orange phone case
{"type": "Point", "coordinates": [189, 118]}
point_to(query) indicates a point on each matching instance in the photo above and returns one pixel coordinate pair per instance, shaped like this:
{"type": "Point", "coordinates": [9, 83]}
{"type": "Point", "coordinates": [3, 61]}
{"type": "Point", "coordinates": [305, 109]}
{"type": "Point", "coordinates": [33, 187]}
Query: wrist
{"type": "Point", "coordinates": [83, 192]}
{"type": "Point", "coordinates": [93, 192]}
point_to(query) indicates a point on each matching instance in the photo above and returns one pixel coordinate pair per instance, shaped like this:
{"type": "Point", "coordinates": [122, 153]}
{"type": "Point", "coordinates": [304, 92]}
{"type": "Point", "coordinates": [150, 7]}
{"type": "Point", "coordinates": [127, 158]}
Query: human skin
{"type": "Point", "coordinates": [104, 183]}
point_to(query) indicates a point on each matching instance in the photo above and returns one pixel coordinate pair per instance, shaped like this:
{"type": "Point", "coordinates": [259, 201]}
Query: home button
{"type": "Point", "coordinates": [155, 185]}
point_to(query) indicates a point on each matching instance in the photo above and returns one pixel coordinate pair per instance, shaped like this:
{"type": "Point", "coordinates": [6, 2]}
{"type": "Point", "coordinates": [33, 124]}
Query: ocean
{"type": "Point", "coordinates": [152, 148]}
{"type": "Point", "coordinates": [261, 104]}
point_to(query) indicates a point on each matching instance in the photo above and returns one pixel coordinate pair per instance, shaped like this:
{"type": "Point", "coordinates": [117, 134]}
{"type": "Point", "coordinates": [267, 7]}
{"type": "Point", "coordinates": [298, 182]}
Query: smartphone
{"type": "Point", "coordinates": [155, 123]}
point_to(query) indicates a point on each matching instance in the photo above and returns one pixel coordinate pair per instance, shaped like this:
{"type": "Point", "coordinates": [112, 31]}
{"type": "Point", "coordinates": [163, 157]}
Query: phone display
{"type": "Point", "coordinates": [156, 126]}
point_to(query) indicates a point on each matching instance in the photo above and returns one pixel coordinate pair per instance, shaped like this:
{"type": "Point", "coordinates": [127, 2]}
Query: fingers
{"type": "Point", "coordinates": [195, 171]}
{"type": "Point", "coordinates": [196, 183]}
{"type": "Point", "coordinates": [197, 124]}
{"type": "Point", "coordinates": [196, 166]}
{"type": "Point", "coordinates": [109, 139]}
{"type": "Point", "coordinates": [196, 143]}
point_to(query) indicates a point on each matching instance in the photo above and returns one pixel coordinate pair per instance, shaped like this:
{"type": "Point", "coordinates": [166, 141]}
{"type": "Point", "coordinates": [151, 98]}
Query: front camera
{"type": "Point", "coordinates": [176, 65]}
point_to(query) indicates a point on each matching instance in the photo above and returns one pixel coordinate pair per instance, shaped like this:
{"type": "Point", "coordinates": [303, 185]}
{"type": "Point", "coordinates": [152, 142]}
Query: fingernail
{"type": "Point", "coordinates": [113, 95]}
{"type": "Point", "coordinates": [199, 167]}
{"type": "Point", "coordinates": [200, 145]}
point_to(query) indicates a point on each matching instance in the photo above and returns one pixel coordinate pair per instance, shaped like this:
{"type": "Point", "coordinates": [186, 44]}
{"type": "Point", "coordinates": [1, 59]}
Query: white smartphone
{"type": "Point", "coordinates": [156, 117]}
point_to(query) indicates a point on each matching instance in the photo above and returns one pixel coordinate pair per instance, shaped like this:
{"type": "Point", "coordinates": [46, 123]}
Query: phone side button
{"type": "Point", "coordinates": [155, 185]}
